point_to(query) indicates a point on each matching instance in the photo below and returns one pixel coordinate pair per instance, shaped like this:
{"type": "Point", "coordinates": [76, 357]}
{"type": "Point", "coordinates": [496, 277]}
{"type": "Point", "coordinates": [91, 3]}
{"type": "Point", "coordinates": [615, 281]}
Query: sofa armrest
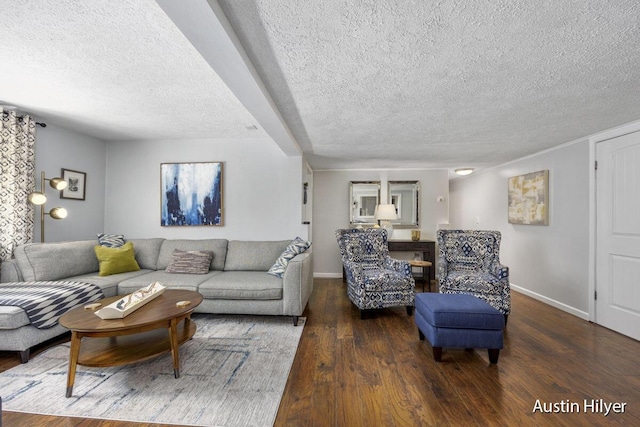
{"type": "Point", "coordinates": [9, 272]}
{"type": "Point", "coordinates": [297, 284]}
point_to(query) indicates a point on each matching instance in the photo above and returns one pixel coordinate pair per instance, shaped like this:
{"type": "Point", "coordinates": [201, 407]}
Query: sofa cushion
{"type": "Point", "coordinates": [108, 284]}
{"type": "Point", "coordinates": [217, 246]}
{"type": "Point", "coordinates": [116, 260]}
{"type": "Point", "coordinates": [253, 256]}
{"type": "Point", "coordinates": [147, 252]}
{"type": "Point", "coordinates": [242, 285]}
{"type": "Point", "coordinates": [190, 262]}
{"type": "Point", "coordinates": [55, 261]}
{"type": "Point", "coordinates": [296, 247]}
{"type": "Point", "coordinates": [172, 281]}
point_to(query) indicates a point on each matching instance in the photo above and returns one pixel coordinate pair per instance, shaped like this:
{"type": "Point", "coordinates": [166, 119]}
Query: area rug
{"type": "Point", "coordinates": [233, 373]}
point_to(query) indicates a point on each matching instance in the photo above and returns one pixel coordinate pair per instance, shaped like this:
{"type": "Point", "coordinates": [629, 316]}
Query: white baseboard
{"type": "Point", "coordinates": [559, 305]}
{"type": "Point", "coordinates": [327, 275]}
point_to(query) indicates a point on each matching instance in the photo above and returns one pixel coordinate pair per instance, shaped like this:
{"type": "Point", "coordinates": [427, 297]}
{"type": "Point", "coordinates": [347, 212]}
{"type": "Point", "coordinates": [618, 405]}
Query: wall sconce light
{"type": "Point", "coordinates": [39, 198]}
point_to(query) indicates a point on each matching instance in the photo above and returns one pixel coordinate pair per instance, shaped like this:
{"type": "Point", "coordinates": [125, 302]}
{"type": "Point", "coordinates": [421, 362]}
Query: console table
{"type": "Point", "coordinates": [427, 247]}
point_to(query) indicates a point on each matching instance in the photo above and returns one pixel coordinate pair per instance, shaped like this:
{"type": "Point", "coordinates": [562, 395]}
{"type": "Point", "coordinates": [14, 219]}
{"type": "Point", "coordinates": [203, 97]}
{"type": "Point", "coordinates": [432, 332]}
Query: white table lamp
{"type": "Point", "coordinates": [385, 214]}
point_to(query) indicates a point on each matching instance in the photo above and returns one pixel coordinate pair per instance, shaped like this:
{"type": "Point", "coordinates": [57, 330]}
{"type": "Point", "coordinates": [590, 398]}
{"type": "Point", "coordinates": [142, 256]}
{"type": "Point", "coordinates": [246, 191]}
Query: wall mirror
{"type": "Point", "coordinates": [364, 196]}
{"type": "Point", "coordinates": [405, 196]}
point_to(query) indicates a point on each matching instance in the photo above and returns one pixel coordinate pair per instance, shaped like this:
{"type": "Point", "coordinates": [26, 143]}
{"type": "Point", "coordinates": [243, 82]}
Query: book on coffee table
{"type": "Point", "coordinates": [130, 303]}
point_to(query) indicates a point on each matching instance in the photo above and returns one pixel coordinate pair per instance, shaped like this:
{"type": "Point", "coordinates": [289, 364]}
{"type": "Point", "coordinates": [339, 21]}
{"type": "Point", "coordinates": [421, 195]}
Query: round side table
{"type": "Point", "coordinates": [423, 265]}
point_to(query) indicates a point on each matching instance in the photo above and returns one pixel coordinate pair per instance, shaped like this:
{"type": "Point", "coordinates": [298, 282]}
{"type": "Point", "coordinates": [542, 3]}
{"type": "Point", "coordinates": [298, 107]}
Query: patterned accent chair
{"type": "Point", "coordinates": [469, 263]}
{"type": "Point", "coordinates": [374, 279]}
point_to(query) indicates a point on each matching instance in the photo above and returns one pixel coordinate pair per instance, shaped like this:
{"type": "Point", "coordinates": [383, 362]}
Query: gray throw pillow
{"type": "Point", "coordinates": [190, 262]}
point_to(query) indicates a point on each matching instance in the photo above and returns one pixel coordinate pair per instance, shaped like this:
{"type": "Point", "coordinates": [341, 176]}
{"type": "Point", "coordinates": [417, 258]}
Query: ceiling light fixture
{"type": "Point", "coordinates": [464, 171]}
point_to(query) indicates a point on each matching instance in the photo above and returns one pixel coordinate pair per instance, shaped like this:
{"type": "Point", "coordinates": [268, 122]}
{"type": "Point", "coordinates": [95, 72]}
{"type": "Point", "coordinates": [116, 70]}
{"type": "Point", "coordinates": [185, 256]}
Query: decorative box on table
{"type": "Point", "coordinates": [130, 303]}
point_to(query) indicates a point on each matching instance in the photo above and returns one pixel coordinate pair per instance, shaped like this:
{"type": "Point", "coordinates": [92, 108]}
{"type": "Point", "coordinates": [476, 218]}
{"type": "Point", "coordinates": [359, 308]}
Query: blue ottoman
{"type": "Point", "coordinates": [457, 320]}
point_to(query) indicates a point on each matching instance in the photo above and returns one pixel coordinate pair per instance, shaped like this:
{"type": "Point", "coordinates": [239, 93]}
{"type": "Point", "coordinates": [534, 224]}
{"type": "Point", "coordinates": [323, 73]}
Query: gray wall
{"type": "Point", "coordinates": [331, 209]}
{"type": "Point", "coordinates": [262, 189]}
{"type": "Point", "coordinates": [551, 263]}
{"type": "Point", "coordinates": [58, 148]}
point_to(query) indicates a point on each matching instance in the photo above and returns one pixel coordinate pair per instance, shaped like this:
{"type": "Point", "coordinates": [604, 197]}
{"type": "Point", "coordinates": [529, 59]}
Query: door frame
{"type": "Point", "coordinates": [593, 239]}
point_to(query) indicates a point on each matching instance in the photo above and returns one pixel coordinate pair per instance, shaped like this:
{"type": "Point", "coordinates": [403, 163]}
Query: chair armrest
{"type": "Point", "coordinates": [500, 271]}
{"type": "Point", "coordinates": [399, 265]}
{"type": "Point", "coordinates": [443, 269]}
{"type": "Point", "coordinates": [353, 270]}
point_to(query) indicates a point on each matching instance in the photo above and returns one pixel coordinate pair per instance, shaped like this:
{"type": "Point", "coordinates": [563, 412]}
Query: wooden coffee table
{"type": "Point", "coordinates": [156, 328]}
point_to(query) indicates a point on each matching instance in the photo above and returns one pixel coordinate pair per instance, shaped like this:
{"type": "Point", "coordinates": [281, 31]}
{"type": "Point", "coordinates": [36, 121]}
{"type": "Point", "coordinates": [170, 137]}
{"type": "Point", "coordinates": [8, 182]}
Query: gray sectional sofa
{"type": "Point", "coordinates": [237, 281]}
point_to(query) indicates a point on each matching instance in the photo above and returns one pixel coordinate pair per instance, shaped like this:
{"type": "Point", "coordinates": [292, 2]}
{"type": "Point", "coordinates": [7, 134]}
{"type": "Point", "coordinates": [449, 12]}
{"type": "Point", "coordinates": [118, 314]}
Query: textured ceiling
{"type": "Point", "coordinates": [115, 70]}
{"type": "Point", "coordinates": [373, 83]}
{"type": "Point", "coordinates": [443, 83]}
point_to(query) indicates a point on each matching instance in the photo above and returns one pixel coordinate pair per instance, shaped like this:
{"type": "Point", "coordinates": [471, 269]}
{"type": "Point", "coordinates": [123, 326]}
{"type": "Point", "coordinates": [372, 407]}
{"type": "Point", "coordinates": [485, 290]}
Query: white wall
{"type": "Point", "coordinates": [550, 263]}
{"type": "Point", "coordinates": [331, 209]}
{"type": "Point", "coordinates": [57, 148]}
{"type": "Point", "coordinates": [262, 189]}
{"type": "Point", "coordinates": [307, 208]}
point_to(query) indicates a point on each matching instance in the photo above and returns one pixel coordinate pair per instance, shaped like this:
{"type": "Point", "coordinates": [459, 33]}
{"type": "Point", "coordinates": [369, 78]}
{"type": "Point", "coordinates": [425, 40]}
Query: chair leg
{"type": "Point", "coordinates": [437, 353]}
{"type": "Point", "coordinates": [409, 310]}
{"type": "Point", "coordinates": [506, 317]}
{"type": "Point", "coordinates": [493, 355]}
{"type": "Point", "coordinates": [421, 335]}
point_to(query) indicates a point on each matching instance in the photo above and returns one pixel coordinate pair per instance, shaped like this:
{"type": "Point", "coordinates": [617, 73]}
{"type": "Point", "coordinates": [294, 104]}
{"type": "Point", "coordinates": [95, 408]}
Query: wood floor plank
{"type": "Point", "coordinates": [374, 372]}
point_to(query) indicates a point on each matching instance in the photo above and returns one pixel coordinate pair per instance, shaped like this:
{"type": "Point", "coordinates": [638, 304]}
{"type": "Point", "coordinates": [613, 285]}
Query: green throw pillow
{"type": "Point", "coordinates": [116, 260]}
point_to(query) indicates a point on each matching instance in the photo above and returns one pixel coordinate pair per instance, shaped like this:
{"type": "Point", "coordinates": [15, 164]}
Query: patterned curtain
{"type": "Point", "coordinates": [17, 168]}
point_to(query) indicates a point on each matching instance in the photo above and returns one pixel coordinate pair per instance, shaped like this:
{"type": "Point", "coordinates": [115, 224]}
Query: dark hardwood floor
{"type": "Point", "coordinates": [376, 372]}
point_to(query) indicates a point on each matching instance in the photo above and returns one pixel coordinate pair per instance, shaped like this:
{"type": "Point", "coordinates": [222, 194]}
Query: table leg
{"type": "Point", "coordinates": [173, 338]}
{"type": "Point", "coordinates": [74, 353]}
{"type": "Point", "coordinates": [187, 323]}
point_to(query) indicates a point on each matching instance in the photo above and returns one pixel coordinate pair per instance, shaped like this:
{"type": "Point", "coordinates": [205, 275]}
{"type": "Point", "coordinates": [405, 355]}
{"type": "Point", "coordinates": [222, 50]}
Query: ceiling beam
{"type": "Point", "coordinates": [207, 28]}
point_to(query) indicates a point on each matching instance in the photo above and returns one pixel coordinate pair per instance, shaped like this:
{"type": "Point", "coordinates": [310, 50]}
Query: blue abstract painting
{"type": "Point", "coordinates": [191, 193]}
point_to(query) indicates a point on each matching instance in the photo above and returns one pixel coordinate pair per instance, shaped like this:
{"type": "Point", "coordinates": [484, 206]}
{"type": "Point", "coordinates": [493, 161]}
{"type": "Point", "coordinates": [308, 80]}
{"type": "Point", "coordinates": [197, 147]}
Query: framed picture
{"type": "Point", "coordinates": [76, 185]}
{"type": "Point", "coordinates": [191, 194]}
{"type": "Point", "coordinates": [529, 198]}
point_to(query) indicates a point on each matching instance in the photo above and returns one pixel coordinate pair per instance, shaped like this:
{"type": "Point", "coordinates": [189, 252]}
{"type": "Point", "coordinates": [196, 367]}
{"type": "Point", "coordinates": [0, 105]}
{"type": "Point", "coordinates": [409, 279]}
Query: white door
{"type": "Point", "coordinates": [618, 234]}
